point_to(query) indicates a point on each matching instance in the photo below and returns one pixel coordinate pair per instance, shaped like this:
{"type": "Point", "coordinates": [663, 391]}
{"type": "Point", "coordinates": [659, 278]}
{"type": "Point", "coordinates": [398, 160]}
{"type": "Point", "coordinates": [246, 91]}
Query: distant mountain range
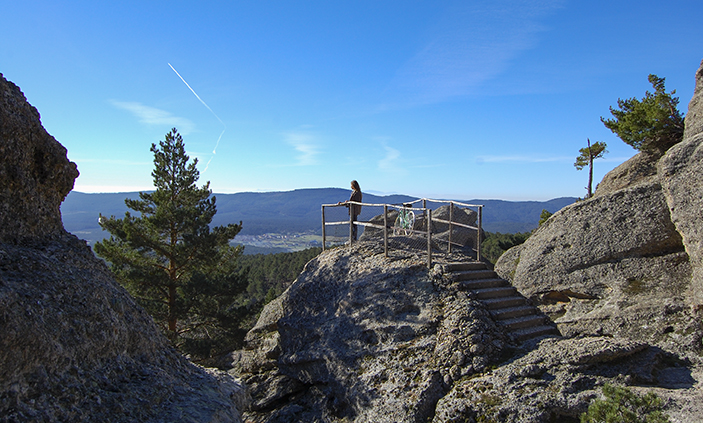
{"type": "Point", "coordinates": [292, 212]}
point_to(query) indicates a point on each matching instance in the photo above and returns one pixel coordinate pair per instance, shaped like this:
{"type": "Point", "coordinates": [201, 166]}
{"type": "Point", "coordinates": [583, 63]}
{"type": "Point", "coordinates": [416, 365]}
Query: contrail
{"type": "Point", "coordinates": [214, 151]}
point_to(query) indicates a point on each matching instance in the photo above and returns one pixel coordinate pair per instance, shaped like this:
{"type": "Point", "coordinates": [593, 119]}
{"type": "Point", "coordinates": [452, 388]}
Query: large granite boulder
{"type": "Point", "coordinates": [613, 264]}
{"type": "Point", "coordinates": [74, 346]}
{"type": "Point", "coordinates": [359, 337]}
{"type": "Point", "coordinates": [639, 169]}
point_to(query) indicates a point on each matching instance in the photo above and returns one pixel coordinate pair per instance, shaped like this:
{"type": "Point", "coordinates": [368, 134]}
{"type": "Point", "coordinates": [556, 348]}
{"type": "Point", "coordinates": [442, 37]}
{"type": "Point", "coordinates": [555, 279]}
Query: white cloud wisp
{"type": "Point", "coordinates": [153, 116]}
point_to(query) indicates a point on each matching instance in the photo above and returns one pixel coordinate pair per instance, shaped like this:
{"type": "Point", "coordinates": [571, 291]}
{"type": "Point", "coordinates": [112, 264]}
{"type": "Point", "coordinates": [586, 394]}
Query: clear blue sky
{"type": "Point", "coordinates": [452, 99]}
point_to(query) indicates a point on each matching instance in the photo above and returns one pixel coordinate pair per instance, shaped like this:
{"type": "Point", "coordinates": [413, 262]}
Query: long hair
{"type": "Point", "coordinates": [355, 186]}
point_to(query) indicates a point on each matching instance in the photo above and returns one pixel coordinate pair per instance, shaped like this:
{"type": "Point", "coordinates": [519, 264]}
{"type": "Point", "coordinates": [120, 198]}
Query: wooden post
{"type": "Point", "coordinates": [451, 215]}
{"type": "Point", "coordinates": [351, 225]}
{"type": "Point", "coordinates": [478, 234]}
{"type": "Point", "coordinates": [323, 228]}
{"type": "Point", "coordinates": [429, 239]}
{"type": "Point", "coordinates": [385, 230]}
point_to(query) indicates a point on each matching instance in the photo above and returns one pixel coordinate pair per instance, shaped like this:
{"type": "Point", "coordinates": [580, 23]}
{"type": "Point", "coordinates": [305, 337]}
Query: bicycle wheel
{"type": "Point", "coordinates": [409, 222]}
{"type": "Point", "coordinates": [398, 226]}
{"type": "Point", "coordinates": [404, 223]}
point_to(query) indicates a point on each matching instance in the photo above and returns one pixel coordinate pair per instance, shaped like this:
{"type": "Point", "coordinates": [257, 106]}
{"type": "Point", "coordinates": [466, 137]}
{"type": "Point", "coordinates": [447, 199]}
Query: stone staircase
{"type": "Point", "coordinates": [508, 307]}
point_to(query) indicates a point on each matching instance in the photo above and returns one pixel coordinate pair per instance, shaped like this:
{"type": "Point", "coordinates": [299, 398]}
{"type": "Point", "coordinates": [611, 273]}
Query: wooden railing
{"type": "Point", "coordinates": [424, 211]}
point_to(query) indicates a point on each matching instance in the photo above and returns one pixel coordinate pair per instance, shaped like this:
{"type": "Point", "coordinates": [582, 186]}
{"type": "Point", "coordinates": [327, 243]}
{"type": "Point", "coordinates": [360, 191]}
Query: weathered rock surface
{"type": "Point", "coordinates": [615, 265]}
{"type": "Point", "coordinates": [639, 169]}
{"type": "Point", "coordinates": [74, 346]}
{"type": "Point", "coordinates": [558, 378]}
{"type": "Point", "coordinates": [364, 338]}
{"type": "Point", "coordinates": [35, 175]}
{"type": "Point", "coordinates": [681, 175]}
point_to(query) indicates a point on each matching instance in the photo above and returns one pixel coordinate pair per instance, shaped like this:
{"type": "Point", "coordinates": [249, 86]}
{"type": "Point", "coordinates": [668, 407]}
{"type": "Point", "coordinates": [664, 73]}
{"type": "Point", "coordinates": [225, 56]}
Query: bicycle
{"type": "Point", "coordinates": [405, 222]}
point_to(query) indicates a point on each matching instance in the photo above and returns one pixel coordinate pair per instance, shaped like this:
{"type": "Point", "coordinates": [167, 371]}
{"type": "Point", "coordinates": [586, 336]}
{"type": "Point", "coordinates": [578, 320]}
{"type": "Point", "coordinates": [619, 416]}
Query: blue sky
{"type": "Point", "coordinates": [443, 99]}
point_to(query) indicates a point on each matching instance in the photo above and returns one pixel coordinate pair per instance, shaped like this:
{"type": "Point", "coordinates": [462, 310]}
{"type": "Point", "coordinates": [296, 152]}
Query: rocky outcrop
{"type": "Point", "coordinates": [74, 346]}
{"type": "Point", "coordinates": [639, 169]}
{"type": "Point", "coordinates": [35, 175]}
{"type": "Point", "coordinates": [681, 175]}
{"type": "Point", "coordinates": [359, 337]}
{"type": "Point", "coordinates": [556, 380]}
{"type": "Point", "coordinates": [627, 262]}
{"type": "Point", "coordinates": [363, 338]}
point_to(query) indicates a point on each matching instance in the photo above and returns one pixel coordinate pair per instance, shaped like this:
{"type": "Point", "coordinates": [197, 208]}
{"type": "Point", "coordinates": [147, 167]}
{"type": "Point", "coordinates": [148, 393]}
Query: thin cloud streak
{"type": "Point", "coordinates": [153, 116]}
{"type": "Point", "coordinates": [469, 46]}
{"type": "Point", "coordinates": [305, 144]}
{"type": "Point", "coordinates": [112, 161]}
{"type": "Point", "coordinates": [390, 163]}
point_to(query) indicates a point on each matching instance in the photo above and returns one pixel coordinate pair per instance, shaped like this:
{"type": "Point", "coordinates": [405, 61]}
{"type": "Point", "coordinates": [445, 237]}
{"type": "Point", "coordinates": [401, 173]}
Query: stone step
{"type": "Point", "coordinates": [467, 275]}
{"type": "Point", "coordinates": [534, 332]}
{"type": "Point", "coordinates": [490, 293]}
{"type": "Point", "coordinates": [482, 283]}
{"type": "Point", "coordinates": [512, 312]}
{"type": "Point", "coordinates": [463, 266]}
{"type": "Point", "coordinates": [504, 302]}
{"type": "Point", "coordinates": [522, 322]}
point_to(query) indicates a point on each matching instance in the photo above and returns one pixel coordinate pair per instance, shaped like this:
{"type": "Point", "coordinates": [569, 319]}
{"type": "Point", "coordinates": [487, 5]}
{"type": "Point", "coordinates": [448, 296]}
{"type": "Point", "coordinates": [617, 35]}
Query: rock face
{"type": "Point", "coordinates": [362, 338]}
{"type": "Point", "coordinates": [628, 261]}
{"type": "Point", "coordinates": [681, 171]}
{"type": "Point", "coordinates": [558, 379]}
{"type": "Point", "coordinates": [359, 337]}
{"type": "Point", "coordinates": [74, 346]}
{"type": "Point", "coordinates": [35, 175]}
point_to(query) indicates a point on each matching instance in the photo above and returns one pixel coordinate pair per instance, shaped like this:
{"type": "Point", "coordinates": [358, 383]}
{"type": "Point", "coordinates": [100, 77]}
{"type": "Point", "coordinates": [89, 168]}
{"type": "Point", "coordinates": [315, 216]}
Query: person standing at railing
{"type": "Point", "coordinates": [354, 209]}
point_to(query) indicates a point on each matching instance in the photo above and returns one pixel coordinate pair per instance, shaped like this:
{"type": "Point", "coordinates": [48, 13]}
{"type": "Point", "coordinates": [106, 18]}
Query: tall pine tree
{"type": "Point", "coordinates": [168, 258]}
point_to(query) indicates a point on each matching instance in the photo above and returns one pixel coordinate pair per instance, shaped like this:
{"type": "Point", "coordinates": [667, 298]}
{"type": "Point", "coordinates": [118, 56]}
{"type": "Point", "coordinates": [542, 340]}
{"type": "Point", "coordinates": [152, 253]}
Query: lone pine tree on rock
{"type": "Point", "coordinates": [653, 124]}
{"type": "Point", "coordinates": [181, 271]}
{"type": "Point", "coordinates": [588, 154]}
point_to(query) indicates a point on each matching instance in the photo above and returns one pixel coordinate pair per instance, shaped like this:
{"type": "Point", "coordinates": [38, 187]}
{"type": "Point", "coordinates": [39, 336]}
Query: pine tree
{"type": "Point", "coordinates": [168, 258]}
{"type": "Point", "coordinates": [652, 124]}
{"type": "Point", "coordinates": [588, 154]}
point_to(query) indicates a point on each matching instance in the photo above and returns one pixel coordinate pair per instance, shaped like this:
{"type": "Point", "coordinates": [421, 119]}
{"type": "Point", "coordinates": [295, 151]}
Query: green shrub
{"type": "Point", "coordinates": [496, 243]}
{"type": "Point", "coordinates": [621, 405]}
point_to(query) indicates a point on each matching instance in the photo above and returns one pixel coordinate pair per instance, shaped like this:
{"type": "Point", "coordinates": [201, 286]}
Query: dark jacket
{"type": "Point", "coordinates": [355, 209]}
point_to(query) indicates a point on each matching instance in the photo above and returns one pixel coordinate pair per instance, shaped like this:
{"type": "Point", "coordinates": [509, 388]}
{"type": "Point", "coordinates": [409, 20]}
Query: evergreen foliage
{"type": "Point", "coordinates": [271, 274]}
{"type": "Point", "coordinates": [496, 243]}
{"type": "Point", "coordinates": [546, 214]}
{"type": "Point", "coordinates": [586, 158]}
{"type": "Point", "coordinates": [652, 124]}
{"type": "Point", "coordinates": [621, 405]}
{"type": "Point", "coordinates": [181, 271]}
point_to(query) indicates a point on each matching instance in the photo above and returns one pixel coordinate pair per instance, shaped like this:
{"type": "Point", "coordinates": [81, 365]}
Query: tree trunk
{"type": "Point", "coordinates": [590, 170]}
{"type": "Point", "coordinates": [172, 319]}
